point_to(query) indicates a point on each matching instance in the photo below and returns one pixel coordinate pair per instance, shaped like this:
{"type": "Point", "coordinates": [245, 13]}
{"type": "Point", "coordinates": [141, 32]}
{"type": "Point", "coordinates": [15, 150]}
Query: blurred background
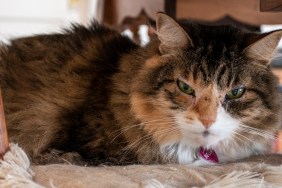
{"type": "Point", "coordinates": [20, 18]}
{"type": "Point", "coordinates": [27, 17]}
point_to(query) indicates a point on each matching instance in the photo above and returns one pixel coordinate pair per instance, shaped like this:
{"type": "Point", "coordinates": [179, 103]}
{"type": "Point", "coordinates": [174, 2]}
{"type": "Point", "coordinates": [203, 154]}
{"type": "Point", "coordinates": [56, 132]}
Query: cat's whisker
{"type": "Point", "coordinates": [138, 141]}
{"type": "Point", "coordinates": [259, 132]}
{"type": "Point", "coordinates": [265, 134]}
{"type": "Point", "coordinates": [256, 129]}
{"type": "Point", "coordinates": [146, 123]}
{"type": "Point", "coordinates": [239, 141]}
{"type": "Point", "coordinates": [244, 140]}
{"type": "Point", "coordinates": [124, 129]}
{"type": "Point", "coordinates": [135, 144]}
{"type": "Point", "coordinates": [160, 134]}
{"type": "Point", "coordinates": [156, 135]}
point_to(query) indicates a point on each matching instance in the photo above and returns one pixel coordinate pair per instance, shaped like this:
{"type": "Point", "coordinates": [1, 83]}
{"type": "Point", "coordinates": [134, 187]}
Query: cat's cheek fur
{"type": "Point", "coordinates": [223, 130]}
{"type": "Point", "coordinates": [221, 139]}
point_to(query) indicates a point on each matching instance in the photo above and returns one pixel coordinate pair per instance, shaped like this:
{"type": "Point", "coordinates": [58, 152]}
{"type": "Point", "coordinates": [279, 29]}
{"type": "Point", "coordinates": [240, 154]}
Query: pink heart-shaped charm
{"type": "Point", "coordinates": [208, 154]}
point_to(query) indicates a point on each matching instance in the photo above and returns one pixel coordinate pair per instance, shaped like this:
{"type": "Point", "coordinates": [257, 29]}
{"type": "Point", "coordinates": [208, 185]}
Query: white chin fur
{"type": "Point", "coordinates": [221, 139]}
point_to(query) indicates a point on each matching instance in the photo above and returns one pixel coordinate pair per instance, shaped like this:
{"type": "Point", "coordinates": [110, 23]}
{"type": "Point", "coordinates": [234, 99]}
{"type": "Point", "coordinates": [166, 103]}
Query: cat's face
{"type": "Point", "coordinates": [208, 91]}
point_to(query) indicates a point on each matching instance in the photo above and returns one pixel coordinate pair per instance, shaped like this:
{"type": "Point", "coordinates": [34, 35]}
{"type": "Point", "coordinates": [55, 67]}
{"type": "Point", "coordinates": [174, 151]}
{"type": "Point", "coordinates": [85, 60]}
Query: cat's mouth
{"type": "Point", "coordinates": [207, 154]}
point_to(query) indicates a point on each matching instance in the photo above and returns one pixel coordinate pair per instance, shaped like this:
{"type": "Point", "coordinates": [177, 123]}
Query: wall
{"type": "Point", "coordinates": [26, 17]}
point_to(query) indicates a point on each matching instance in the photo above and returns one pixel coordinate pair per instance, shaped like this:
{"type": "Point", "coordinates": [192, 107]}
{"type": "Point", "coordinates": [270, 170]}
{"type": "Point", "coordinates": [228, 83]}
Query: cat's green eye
{"type": "Point", "coordinates": [235, 93]}
{"type": "Point", "coordinates": [185, 88]}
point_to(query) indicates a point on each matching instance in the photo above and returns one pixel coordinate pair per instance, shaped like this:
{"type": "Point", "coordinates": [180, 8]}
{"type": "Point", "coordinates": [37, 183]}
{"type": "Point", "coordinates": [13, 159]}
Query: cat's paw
{"type": "Point", "coordinates": [202, 162]}
{"type": "Point", "coordinates": [59, 157]}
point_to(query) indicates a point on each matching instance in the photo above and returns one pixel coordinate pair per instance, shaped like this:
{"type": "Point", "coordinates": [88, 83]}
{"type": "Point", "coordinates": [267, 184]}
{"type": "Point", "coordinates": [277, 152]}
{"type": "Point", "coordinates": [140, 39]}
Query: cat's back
{"type": "Point", "coordinates": [72, 46]}
{"type": "Point", "coordinates": [45, 77]}
{"type": "Point", "coordinates": [36, 61]}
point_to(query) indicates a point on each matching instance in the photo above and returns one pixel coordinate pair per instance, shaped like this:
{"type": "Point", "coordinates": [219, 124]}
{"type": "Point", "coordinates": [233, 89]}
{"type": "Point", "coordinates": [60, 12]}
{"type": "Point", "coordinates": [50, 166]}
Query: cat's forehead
{"type": "Point", "coordinates": [215, 42]}
{"type": "Point", "coordinates": [203, 35]}
{"type": "Point", "coordinates": [209, 66]}
{"type": "Point", "coordinates": [222, 54]}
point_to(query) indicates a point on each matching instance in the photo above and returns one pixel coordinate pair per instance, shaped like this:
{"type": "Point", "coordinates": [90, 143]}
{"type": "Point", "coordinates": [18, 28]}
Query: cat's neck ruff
{"type": "Point", "coordinates": [219, 146]}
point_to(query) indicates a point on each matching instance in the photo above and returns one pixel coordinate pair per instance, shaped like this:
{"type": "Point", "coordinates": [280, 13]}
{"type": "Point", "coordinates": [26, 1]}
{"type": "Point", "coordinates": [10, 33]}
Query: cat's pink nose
{"type": "Point", "coordinates": [207, 122]}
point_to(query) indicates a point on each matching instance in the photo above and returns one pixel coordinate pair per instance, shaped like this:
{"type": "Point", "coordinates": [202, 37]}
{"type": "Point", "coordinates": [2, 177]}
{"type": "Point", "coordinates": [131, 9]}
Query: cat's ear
{"type": "Point", "coordinates": [171, 35]}
{"type": "Point", "coordinates": [263, 47]}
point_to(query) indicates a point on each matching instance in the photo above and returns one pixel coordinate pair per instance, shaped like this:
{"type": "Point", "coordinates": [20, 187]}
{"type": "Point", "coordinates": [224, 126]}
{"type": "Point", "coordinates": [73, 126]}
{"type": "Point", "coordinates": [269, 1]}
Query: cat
{"type": "Point", "coordinates": [90, 94]}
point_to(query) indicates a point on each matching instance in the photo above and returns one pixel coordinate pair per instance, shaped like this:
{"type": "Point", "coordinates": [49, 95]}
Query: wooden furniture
{"type": "Point", "coordinates": [271, 5]}
{"type": "Point", "coordinates": [248, 14]}
{"type": "Point", "coordinates": [200, 10]}
{"type": "Point", "coordinates": [243, 13]}
{"type": "Point", "coordinates": [4, 144]}
{"type": "Point", "coordinates": [116, 10]}
{"type": "Point", "coordinates": [210, 10]}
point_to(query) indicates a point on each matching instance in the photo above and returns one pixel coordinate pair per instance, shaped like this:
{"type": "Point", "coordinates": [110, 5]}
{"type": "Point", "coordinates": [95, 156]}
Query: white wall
{"type": "Point", "coordinates": [27, 17]}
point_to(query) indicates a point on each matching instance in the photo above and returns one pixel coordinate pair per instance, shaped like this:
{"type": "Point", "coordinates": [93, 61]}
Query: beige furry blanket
{"type": "Point", "coordinates": [259, 171]}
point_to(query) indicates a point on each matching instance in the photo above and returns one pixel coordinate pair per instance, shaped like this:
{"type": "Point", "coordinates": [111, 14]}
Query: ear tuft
{"type": "Point", "coordinates": [263, 48]}
{"type": "Point", "coordinates": [171, 35]}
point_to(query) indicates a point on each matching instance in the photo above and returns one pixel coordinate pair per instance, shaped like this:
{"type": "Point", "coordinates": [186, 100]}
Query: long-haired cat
{"type": "Point", "coordinates": [94, 92]}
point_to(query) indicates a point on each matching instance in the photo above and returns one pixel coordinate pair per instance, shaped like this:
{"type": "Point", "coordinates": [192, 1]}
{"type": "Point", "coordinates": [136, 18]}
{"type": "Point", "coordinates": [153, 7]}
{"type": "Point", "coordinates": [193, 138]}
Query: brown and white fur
{"type": "Point", "coordinates": [94, 93]}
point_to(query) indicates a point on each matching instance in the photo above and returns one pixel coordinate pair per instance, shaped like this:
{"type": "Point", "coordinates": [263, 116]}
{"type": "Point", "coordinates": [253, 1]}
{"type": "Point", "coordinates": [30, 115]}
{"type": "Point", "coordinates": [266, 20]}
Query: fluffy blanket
{"type": "Point", "coordinates": [259, 171]}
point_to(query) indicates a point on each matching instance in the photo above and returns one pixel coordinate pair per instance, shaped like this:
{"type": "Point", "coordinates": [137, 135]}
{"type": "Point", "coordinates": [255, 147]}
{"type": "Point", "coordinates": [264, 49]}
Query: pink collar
{"type": "Point", "coordinates": [208, 154]}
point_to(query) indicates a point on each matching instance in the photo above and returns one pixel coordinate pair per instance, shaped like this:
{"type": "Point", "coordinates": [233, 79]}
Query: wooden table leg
{"type": "Point", "coordinates": [4, 144]}
{"type": "Point", "coordinates": [170, 8]}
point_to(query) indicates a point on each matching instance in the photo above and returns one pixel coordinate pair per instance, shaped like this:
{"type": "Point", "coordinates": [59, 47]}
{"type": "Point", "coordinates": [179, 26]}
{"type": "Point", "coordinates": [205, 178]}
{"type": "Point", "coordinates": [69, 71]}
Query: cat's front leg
{"type": "Point", "coordinates": [202, 162]}
{"type": "Point", "coordinates": [54, 156]}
